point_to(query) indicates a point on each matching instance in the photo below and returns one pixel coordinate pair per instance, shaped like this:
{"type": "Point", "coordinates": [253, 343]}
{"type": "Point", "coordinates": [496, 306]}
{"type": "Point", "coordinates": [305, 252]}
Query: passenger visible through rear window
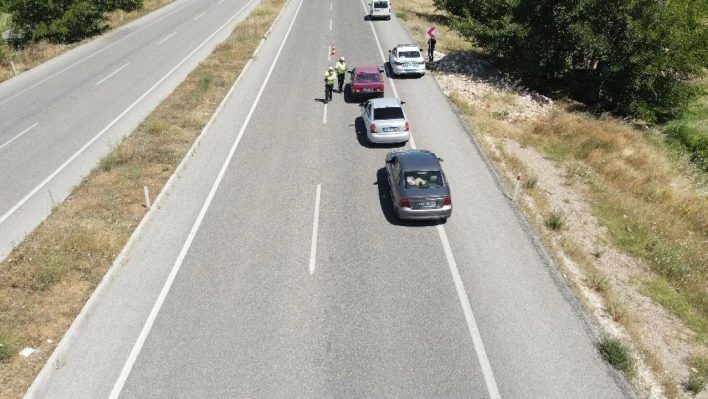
{"type": "Point", "coordinates": [368, 77]}
{"type": "Point", "coordinates": [388, 113]}
{"type": "Point", "coordinates": [409, 54]}
{"type": "Point", "coordinates": [424, 179]}
{"type": "Point", "coordinates": [380, 4]}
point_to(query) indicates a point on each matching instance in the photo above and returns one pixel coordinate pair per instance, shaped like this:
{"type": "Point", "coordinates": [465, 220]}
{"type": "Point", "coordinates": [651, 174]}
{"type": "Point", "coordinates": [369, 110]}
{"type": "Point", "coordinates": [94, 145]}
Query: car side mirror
{"type": "Point", "coordinates": [382, 70]}
{"type": "Point", "coordinates": [361, 104]}
{"type": "Point", "coordinates": [389, 51]}
{"type": "Point", "coordinates": [403, 103]}
{"type": "Point", "coordinates": [389, 160]}
{"type": "Point", "coordinates": [440, 159]}
{"type": "Point", "coordinates": [422, 50]}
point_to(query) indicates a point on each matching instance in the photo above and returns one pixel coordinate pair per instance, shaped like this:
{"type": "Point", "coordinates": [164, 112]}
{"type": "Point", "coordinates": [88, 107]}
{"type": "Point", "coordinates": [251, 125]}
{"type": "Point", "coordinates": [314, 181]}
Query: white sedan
{"type": "Point", "coordinates": [406, 59]}
{"type": "Point", "coordinates": [385, 121]}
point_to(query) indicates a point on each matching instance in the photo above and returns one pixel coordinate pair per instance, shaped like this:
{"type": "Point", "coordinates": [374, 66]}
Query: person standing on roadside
{"type": "Point", "coordinates": [329, 84]}
{"type": "Point", "coordinates": [341, 68]}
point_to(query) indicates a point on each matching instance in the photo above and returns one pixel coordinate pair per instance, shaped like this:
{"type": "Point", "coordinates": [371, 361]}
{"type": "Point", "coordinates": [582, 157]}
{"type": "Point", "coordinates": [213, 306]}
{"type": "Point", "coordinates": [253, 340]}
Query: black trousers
{"type": "Point", "coordinates": [340, 80]}
{"type": "Point", "coordinates": [328, 92]}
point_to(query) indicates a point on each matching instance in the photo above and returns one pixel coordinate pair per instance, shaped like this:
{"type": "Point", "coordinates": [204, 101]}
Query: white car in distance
{"type": "Point", "coordinates": [406, 59]}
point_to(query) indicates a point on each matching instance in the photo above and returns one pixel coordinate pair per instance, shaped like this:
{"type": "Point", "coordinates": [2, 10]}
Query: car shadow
{"type": "Point", "coordinates": [360, 129]}
{"type": "Point", "coordinates": [384, 191]}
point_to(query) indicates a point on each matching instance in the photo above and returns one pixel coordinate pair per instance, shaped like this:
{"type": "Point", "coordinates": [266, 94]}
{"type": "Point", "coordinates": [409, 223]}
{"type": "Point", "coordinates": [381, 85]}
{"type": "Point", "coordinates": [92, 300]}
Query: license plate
{"type": "Point", "coordinates": [368, 89]}
{"type": "Point", "coordinates": [426, 204]}
{"type": "Point", "coordinates": [410, 65]}
{"type": "Point", "coordinates": [390, 129]}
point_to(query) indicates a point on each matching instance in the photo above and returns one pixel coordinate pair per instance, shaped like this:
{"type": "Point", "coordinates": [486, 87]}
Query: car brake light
{"type": "Point", "coordinates": [408, 127]}
{"type": "Point", "coordinates": [398, 63]}
{"type": "Point", "coordinates": [421, 62]}
{"type": "Point", "coordinates": [448, 201]}
{"type": "Point", "coordinates": [373, 128]}
{"type": "Point", "coordinates": [405, 203]}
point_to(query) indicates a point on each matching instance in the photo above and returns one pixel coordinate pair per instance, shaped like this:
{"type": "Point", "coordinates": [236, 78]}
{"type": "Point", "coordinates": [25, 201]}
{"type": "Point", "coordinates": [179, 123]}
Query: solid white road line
{"type": "Point", "coordinates": [477, 342]}
{"type": "Point", "coordinates": [96, 53]}
{"type": "Point", "coordinates": [484, 364]}
{"type": "Point", "coordinates": [106, 78]}
{"type": "Point", "coordinates": [119, 117]}
{"type": "Point", "coordinates": [128, 366]}
{"type": "Point", "coordinates": [329, 52]}
{"type": "Point", "coordinates": [163, 40]}
{"type": "Point", "coordinates": [199, 16]}
{"type": "Point", "coordinates": [220, 1]}
{"type": "Point", "coordinates": [315, 224]}
{"type": "Point", "coordinates": [18, 136]}
{"type": "Point", "coordinates": [324, 115]}
{"type": "Point", "coordinates": [330, 7]}
{"type": "Point", "coordinates": [330, 24]}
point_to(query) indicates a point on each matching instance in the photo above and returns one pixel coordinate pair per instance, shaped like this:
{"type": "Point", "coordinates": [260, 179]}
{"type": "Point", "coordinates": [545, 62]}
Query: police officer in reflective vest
{"type": "Point", "coordinates": [329, 84]}
{"type": "Point", "coordinates": [341, 68]}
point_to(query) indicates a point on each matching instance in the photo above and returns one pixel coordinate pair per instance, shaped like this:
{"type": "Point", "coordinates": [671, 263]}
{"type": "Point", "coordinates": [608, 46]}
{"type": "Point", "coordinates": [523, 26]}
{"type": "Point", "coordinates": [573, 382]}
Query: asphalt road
{"type": "Point", "coordinates": [220, 297]}
{"type": "Point", "coordinates": [58, 119]}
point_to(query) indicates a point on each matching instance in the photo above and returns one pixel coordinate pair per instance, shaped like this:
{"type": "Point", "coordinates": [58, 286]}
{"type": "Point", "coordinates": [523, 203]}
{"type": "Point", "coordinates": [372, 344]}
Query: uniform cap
{"type": "Point", "coordinates": [341, 58]}
{"type": "Point", "coordinates": [331, 68]}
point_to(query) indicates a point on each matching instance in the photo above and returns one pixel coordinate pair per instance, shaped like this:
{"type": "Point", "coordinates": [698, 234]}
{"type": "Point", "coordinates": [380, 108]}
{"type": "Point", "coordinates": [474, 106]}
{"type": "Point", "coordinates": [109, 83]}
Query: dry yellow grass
{"type": "Point", "coordinates": [46, 280]}
{"type": "Point", "coordinates": [37, 53]}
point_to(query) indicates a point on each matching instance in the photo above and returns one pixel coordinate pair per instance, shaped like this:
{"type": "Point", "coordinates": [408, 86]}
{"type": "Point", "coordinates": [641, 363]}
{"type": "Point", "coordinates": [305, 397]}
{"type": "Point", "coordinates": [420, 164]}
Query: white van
{"type": "Point", "coordinates": [380, 9]}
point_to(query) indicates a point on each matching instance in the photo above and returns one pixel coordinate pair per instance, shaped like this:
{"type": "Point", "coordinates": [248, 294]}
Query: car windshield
{"type": "Point", "coordinates": [380, 4]}
{"type": "Point", "coordinates": [368, 77]}
{"type": "Point", "coordinates": [409, 54]}
{"type": "Point", "coordinates": [423, 179]}
{"type": "Point", "coordinates": [388, 113]}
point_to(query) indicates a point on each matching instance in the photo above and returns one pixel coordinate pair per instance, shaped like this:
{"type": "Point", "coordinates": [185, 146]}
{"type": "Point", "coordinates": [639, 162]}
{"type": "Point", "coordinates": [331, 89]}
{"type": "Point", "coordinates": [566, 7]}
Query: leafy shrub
{"type": "Point", "coordinates": [694, 140]}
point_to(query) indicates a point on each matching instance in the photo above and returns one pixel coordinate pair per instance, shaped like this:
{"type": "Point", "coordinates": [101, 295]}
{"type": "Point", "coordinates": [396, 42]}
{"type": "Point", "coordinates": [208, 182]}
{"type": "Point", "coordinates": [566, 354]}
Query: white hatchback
{"type": "Point", "coordinates": [406, 59]}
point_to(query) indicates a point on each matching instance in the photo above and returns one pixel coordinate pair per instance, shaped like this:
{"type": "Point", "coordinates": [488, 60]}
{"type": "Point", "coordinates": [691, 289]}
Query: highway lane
{"type": "Point", "coordinates": [379, 315]}
{"type": "Point", "coordinates": [79, 105]}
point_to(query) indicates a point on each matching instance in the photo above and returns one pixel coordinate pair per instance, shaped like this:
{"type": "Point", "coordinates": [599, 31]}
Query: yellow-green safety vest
{"type": "Point", "coordinates": [330, 76]}
{"type": "Point", "coordinates": [341, 67]}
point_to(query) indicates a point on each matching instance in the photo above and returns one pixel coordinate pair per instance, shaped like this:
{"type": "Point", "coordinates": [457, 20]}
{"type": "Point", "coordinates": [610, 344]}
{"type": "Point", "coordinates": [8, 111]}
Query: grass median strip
{"type": "Point", "coordinates": [47, 278]}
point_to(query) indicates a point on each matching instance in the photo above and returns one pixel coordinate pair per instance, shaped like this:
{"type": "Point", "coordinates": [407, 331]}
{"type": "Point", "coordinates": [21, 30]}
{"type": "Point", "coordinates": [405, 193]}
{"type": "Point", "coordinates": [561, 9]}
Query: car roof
{"type": "Point", "coordinates": [413, 46]}
{"type": "Point", "coordinates": [385, 102]}
{"type": "Point", "coordinates": [418, 160]}
{"type": "Point", "coordinates": [367, 68]}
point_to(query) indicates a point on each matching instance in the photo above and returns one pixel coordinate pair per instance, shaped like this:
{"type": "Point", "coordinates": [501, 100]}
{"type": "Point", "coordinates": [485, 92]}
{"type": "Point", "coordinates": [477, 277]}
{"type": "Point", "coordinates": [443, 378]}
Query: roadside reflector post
{"type": "Point", "coordinates": [54, 204]}
{"type": "Point", "coordinates": [147, 196]}
{"type": "Point", "coordinates": [14, 70]}
{"type": "Point", "coordinates": [517, 186]}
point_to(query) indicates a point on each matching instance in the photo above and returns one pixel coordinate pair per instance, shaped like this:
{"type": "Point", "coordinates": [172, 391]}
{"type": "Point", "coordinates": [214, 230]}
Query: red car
{"type": "Point", "coordinates": [367, 81]}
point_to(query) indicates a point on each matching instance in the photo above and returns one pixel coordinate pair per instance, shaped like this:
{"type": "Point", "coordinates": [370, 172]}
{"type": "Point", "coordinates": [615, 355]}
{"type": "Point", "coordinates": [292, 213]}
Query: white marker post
{"type": "Point", "coordinates": [517, 187]}
{"type": "Point", "coordinates": [147, 196]}
{"type": "Point", "coordinates": [14, 70]}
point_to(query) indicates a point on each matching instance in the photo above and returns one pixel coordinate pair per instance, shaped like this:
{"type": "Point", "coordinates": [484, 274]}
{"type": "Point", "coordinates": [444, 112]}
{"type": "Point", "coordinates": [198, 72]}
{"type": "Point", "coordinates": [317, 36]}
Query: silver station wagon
{"type": "Point", "coordinates": [419, 188]}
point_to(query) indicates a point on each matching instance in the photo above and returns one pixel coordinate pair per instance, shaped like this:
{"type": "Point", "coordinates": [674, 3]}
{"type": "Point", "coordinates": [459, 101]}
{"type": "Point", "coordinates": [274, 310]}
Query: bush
{"type": "Point", "coordinates": [694, 140]}
{"type": "Point", "coordinates": [637, 55]}
{"type": "Point", "coordinates": [618, 354]}
{"type": "Point", "coordinates": [63, 21]}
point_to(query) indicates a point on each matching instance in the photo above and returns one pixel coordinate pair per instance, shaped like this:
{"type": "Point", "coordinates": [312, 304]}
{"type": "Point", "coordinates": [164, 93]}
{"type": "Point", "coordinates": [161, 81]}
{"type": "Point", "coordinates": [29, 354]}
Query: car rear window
{"type": "Point", "coordinates": [409, 54]}
{"type": "Point", "coordinates": [388, 113]}
{"type": "Point", "coordinates": [368, 77]}
{"type": "Point", "coordinates": [380, 4]}
{"type": "Point", "coordinates": [423, 179]}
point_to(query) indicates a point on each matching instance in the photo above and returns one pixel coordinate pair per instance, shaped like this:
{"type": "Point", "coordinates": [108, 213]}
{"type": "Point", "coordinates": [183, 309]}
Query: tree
{"type": "Point", "coordinates": [639, 55]}
{"type": "Point", "coordinates": [63, 20]}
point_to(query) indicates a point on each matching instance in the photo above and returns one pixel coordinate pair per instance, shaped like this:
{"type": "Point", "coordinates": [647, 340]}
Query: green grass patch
{"type": "Point", "coordinates": [8, 344]}
{"type": "Point", "coordinates": [555, 220]}
{"type": "Point", "coordinates": [4, 22]}
{"type": "Point", "coordinates": [663, 293]}
{"type": "Point", "coordinates": [618, 354]}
